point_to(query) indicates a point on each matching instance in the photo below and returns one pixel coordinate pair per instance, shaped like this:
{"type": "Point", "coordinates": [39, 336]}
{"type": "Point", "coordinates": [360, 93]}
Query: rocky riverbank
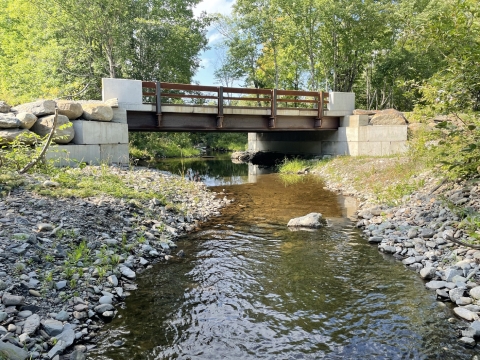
{"type": "Point", "coordinates": [423, 231]}
{"type": "Point", "coordinates": [66, 262]}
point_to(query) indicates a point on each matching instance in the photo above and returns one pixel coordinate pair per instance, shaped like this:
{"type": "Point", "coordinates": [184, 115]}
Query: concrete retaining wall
{"type": "Point", "coordinates": [95, 142]}
{"type": "Point", "coordinates": [354, 137]}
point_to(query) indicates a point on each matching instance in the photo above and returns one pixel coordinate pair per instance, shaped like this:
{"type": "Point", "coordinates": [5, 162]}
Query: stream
{"type": "Point", "coordinates": [249, 288]}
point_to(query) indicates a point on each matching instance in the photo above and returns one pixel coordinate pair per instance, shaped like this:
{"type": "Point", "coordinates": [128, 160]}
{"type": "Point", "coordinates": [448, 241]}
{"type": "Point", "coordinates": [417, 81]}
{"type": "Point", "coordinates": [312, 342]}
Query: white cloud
{"type": "Point", "coordinates": [205, 62]}
{"type": "Point", "coordinates": [214, 37]}
{"type": "Point", "coordinates": [214, 6]}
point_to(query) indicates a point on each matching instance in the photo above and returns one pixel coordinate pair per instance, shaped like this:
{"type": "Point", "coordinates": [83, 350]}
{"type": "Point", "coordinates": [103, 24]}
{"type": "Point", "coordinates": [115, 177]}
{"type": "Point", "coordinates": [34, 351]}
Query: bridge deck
{"type": "Point", "coordinates": [162, 116]}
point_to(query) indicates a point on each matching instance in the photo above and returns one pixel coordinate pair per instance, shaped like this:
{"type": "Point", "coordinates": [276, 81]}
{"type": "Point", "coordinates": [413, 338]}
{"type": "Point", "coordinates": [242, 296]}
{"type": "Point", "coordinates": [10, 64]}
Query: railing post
{"type": "Point", "coordinates": [273, 111]}
{"type": "Point", "coordinates": [220, 108]}
{"type": "Point", "coordinates": [318, 119]}
{"type": "Point", "coordinates": [158, 93]}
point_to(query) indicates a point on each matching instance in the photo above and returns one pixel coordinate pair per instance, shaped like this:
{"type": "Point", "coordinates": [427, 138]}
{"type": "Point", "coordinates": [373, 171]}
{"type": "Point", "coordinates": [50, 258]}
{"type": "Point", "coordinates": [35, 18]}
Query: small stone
{"type": "Point", "coordinates": [375, 239]}
{"type": "Point", "coordinates": [427, 273]}
{"type": "Point", "coordinates": [433, 285]}
{"type": "Point", "coordinates": [34, 293]}
{"type": "Point", "coordinates": [61, 285]}
{"type": "Point", "coordinates": [62, 316]}
{"type": "Point", "coordinates": [105, 300]}
{"type": "Point", "coordinates": [412, 233]}
{"type": "Point", "coordinates": [31, 324]}
{"type": "Point", "coordinates": [462, 301]}
{"type": "Point", "coordinates": [108, 314]}
{"type": "Point", "coordinates": [52, 327]}
{"type": "Point", "coordinates": [24, 314]}
{"type": "Point", "coordinates": [128, 273]}
{"type": "Point", "coordinates": [12, 300]}
{"type": "Point", "coordinates": [112, 279]}
{"type": "Point", "coordinates": [45, 227]}
{"type": "Point", "coordinates": [100, 309]}
{"type": "Point", "coordinates": [475, 292]}
{"type": "Point", "coordinates": [3, 316]}
{"type": "Point", "coordinates": [465, 314]}
{"type": "Point", "coordinates": [456, 294]}
{"type": "Point", "coordinates": [467, 341]}
{"type": "Point", "coordinates": [12, 328]}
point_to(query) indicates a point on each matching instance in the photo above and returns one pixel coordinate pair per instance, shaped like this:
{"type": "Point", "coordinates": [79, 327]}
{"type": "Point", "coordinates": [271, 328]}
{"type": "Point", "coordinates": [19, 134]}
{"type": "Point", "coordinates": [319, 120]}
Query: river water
{"type": "Point", "coordinates": [249, 288]}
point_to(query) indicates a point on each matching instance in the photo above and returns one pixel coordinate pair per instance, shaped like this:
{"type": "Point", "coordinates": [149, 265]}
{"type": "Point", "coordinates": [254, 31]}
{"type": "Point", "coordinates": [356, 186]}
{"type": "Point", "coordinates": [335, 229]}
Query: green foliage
{"type": "Point", "coordinates": [66, 46]}
{"type": "Point", "coordinates": [459, 146]}
{"type": "Point", "coordinates": [294, 166]}
{"type": "Point", "coordinates": [159, 145]}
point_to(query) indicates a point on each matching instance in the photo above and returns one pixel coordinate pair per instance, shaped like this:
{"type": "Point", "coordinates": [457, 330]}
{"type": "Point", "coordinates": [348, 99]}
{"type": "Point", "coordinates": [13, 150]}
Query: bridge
{"type": "Point", "coordinates": [286, 121]}
{"type": "Point", "coordinates": [187, 107]}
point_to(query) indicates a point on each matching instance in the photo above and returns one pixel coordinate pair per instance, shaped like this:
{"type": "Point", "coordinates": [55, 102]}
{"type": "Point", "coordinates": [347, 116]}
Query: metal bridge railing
{"type": "Point", "coordinates": [170, 93]}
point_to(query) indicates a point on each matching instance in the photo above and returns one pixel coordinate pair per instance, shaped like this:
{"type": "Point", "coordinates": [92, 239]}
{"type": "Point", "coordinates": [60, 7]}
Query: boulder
{"type": "Point", "coordinates": [71, 109]}
{"type": "Point", "coordinates": [37, 108]}
{"type": "Point", "coordinates": [364, 112]}
{"type": "Point", "coordinates": [7, 136]}
{"type": "Point", "coordinates": [312, 220]}
{"type": "Point", "coordinates": [389, 117]}
{"type": "Point", "coordinates": [26, 120]}
{"type": "Point", "coordinates": [97, 111]}
{"type": "Point", "coordinates": [9, 121]}
{"type": "Point", "coordinates": [4, 107]}
{"type": "Point", "coordinates": [64, 132]}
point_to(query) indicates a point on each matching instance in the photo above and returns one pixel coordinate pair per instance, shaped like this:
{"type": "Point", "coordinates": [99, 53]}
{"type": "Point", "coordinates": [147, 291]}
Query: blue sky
{"type": "Point", "coordinates": [209, 58]}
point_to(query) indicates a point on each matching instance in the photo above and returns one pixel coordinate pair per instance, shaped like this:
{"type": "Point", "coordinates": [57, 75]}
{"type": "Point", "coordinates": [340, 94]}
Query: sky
{"type": "Point", "coordinates": [205, 73]}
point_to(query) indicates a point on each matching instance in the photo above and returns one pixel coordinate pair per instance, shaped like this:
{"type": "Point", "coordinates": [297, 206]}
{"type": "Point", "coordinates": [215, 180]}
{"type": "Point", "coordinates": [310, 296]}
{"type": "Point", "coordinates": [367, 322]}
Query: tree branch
{"type": "Point", "coordinates": [44, 150]}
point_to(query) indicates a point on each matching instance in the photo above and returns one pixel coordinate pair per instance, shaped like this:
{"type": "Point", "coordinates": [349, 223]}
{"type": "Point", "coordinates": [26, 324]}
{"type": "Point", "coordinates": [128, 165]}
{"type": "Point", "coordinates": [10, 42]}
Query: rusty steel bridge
{"type": "Point", "coordinates": [185, 107]}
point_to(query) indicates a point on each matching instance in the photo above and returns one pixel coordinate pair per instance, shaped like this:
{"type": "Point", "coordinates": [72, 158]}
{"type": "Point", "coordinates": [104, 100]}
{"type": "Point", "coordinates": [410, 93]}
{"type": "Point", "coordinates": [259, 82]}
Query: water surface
{"type": "Point", "coordinates": [249, 288]}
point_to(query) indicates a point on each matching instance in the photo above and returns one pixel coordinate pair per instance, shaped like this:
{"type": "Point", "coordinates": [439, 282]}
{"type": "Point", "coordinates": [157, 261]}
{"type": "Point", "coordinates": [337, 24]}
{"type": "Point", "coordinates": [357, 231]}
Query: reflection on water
{"type": "Point", "coordinates": [251, 289]}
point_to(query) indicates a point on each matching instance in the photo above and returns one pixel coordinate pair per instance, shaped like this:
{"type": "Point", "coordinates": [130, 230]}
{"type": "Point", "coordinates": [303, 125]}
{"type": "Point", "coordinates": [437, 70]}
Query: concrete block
{"type": "Point", "coordinates": [128, 92]}
{"type": "Point", "coordinates": [394, 147]}
{"type": "Point", "coordinates": [96, 132]}
{"type": "Point", "coordinates": [72, 155]}
{"type": "Point", "coordinates": [370, 148]}
{"type": "Point", "coordinates": [354, 121]}
{"type": "Point", "coordinates": [119, 115]}
{"type": "Point", "coordinates": [383, 133]}
{"type": "Point", "coordinates": [341, 101]}
{"type": "Point", "coordinates": [114, 153]}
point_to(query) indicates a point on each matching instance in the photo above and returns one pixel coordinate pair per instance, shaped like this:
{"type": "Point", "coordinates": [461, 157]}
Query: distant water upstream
{"type": "Point", "coordinates": [251, 289]}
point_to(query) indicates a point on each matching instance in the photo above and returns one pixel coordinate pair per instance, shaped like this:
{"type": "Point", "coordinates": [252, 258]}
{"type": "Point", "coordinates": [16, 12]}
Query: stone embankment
{"type": "Point", "coordinates": [23, 121]}
{"type": "Point", "coordinates": [65, 263]}
{"type": "Point", "coordinates": [423, 233]}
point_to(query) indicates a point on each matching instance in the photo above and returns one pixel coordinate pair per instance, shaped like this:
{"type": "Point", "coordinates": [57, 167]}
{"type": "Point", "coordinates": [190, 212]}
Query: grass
{"type": "Point", "coordinates": [295, 166]}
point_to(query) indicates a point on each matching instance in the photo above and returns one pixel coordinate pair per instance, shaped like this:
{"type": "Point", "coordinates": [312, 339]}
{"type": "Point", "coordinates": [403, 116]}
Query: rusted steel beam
{"type": "Point", "coordinates": [172, 95]}
{"type": "Point", "coordinates": [297, 93]}
{"type": "Point", "coordinates": [273, 111]}
{"type": "Point", "coordinates": [220, 108]}
{"type": "Point", "coordinates": [298, 101]}
{"type": "Point", "coordinates": [149, 84]}
{"type": "Point", "coordinates": [158, 90]}
{"type": "Point", "coordinates": [247, 99]}
{"type": "Point", "coordinates": [173, 86]}
{"type": "Point", "coordinates": [247, 91]}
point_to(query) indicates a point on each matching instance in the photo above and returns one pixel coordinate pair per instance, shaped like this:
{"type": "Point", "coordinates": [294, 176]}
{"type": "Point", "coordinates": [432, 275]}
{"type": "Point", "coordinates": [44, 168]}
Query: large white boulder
{"type": "Point", "coordinates": [97, 111]}
{"type": "Point", "coordinates": [71, 109]}
{"type": "Point", "coordinates": [37, 108]}
{"type": "Point", "coordinates": [312, 220]}
{"type": "Point", "coordinates": [26, 120]}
